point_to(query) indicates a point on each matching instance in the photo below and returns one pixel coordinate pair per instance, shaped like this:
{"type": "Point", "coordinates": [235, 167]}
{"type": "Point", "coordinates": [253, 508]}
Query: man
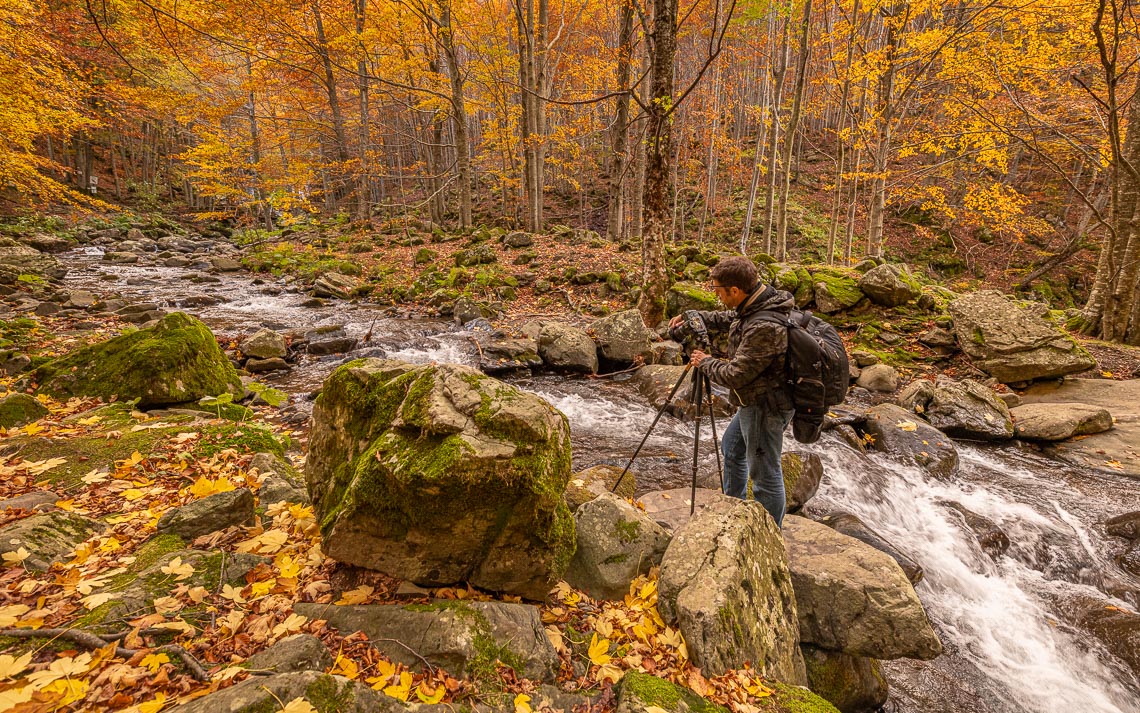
{"type": "Point", "coordinates": [754, 375]}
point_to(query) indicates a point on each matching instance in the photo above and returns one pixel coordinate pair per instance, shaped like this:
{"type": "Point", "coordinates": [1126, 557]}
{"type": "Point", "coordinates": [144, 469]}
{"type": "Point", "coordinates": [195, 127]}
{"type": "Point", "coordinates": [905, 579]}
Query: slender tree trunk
{"type": "Point", "coordinates": [790, 134]}
{"type": "Point", "coordinates": [255, 150]}
{"type": "Point", "coordinates": [620, 162]}
{"type": "Point", "coordinates": [765, 110]}
{"type": "Point", "coordinates": [711, 161]}
{"type": "Point", "coordinates": [331, 89]}
{"type": "Point", "coordinates": [883, 149]}
{"type": "Point", "coordinates": [658, 176]}
{"type": "Point", "coordinates": [779, 69]}
{"type": "Point", "coordinates": [458, 114]}
{"type": "Point", "coordinates": [841, 140]}
{"type": "Point", "coordinates": [364, 191]}
{"type": "Point", "coordinates": [637, 195]}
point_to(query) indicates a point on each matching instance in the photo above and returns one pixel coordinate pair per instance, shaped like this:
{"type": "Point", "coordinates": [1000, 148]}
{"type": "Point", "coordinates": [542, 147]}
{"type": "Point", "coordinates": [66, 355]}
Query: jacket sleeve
{"type": "Point", "coordinates": [718, 320]}
{"type": "Point", "coordinates": [760, 344]}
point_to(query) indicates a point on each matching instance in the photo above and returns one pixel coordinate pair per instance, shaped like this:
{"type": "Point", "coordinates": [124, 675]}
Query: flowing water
{"type": "Point", "coordinates": [1010, 625]}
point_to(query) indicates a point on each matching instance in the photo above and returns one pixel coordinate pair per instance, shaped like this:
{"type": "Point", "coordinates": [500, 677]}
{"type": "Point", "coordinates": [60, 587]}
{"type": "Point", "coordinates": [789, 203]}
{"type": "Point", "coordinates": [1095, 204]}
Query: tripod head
{"type": "Point", "coordinates": [692, 332]}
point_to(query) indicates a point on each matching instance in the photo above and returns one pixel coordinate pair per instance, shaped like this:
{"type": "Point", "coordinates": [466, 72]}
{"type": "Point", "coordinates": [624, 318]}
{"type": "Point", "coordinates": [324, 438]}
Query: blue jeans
{"type": "Point", "coordinates": [752, 445]}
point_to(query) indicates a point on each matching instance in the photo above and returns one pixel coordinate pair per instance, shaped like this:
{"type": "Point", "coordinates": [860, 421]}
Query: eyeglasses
{"type": "Point", "coordinates": [718, 287]}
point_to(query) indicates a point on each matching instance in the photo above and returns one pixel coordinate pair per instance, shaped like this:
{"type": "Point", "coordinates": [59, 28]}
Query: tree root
{"type": "Point", "coordinates": [94, 641]}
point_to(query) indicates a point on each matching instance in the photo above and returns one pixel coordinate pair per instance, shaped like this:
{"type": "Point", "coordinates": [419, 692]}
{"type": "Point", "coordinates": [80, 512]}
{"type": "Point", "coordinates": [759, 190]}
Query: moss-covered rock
{"type": "Point", "coordinates": [47, 537]}
{"type": "Point", "coordinates": [851, 683]}
{"type": "Point", "coordinates": [835, 289]}
{"type": "Point", "coordinates": [688, 295]}
{"type": "Point", "coordinates": [20, 409]}
{"type": "Point", "coordinates": [176, 361]}
{"type": "Point", "coordinates": [588, 484]}
{"type": "Point", "coordinates": [325, 693]}
{"type": "Point", "coordinates": [640, 691]}
{"type": "Point", "coordinates": [440, 474]}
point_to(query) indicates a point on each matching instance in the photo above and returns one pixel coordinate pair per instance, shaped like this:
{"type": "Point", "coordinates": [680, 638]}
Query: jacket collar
{"type": "Point", "coordinates": [758, 296]}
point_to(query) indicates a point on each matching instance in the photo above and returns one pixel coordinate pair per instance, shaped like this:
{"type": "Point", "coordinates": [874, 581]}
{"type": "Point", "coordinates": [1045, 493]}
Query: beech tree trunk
{"type": "Point", "coordinates": [619, 164]}
{"type": "Point", "coordinates": [790, 134]}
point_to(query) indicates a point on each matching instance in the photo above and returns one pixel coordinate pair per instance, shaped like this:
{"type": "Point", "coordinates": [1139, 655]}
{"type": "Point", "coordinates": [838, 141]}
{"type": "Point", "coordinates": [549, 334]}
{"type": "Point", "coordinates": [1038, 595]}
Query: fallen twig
{"type": "Point", "coordinates": [93, 641]}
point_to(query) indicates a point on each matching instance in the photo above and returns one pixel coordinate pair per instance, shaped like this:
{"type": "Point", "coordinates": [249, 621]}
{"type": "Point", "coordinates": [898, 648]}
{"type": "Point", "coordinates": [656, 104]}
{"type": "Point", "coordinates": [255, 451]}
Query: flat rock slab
{"type": "Point", "coordinates": [1057, 422]}
{"type": "Point", "coordinates": [1114, 451]}
{"type": "Point", "coordinates": [271, 693]}
{"type": "Point", "coordinates": [853, 598]}
{"type": "Point", "coordinates": [456, 636]}
{"type": "Point", "coordinates": [47, 537]}
{"type": "Point", "coordinates": [670, 508]}
{"type": "Point", "coordinates": [299, 652]}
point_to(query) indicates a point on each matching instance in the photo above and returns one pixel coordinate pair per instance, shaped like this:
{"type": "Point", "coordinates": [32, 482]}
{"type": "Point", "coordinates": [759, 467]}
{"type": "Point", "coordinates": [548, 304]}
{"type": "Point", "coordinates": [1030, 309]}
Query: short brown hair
{"type": "Point", "coordinates": [736, 271]}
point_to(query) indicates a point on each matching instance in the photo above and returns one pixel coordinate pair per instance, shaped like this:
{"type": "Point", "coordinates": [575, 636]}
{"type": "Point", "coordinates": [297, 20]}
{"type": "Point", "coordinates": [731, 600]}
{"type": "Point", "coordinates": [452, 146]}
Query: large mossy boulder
{"type": "Point", "coordinates": [835, 289]}
{"type": "Point", "coordinates": [562, 346]}
{"type": "Point", "coordinates": [440, 474]}
{"type": "Point", "coordinates": [643, 693]}
{"type": "Point", "coordinates": [20, 409]}
{"type": "Point", "coordinates": [616, 543]}
{"type": "Point", "coordinates": [47, 537]}
{"type": "Point", "coordinates": [803, 473]}
{"type": "Point", "coordinates": [890, 285]}
{"type": "Point", "coordinates": [623, 337]}
{"type": "Point", "coordinates": [853, 598]}
{"type": "Point", "coordinates": [684, 296]}
{"type": "Point", "coordinates": [853, 684]}
{"type": "Point", "coordinates": [725, 584]}
{"type": "Point", "coordinates": [324, 693]}
{"type": "Point", "coordinates": [1014, 342]}
{"type": "Point", "coordinates": [176, 361]}
{"type": "Point", "coordinates": [18, 259]}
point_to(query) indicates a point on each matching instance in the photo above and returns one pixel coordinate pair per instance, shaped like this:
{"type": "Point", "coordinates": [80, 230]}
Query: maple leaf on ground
{"type": "Point", "coordinates": [12, 559]}
{"type": "Point", "coordinates": [179, 569]}
{"type": "Point", "coordinates": [11, 665]}
{"type": "Point", "coordinates": [298, 705]}
{"type": "Point", "coordinates": [429, 695]}
{"type": "Point", "coordinates": [344, 666]}
{"type": "Point", "coordinates": [599, 651]}
{"type": "Point", "coordinates": [522, 704]}
{"type": "Point", "coordinates": [153, 662]}
{"type": "Point", "coordinates": [400, 690]}
{"type": "Point", "coordinates": [360, 595]}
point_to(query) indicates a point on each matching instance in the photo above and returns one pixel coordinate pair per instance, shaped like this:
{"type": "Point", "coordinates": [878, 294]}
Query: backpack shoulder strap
{"type": "Point", "coordinates": [783, 319]}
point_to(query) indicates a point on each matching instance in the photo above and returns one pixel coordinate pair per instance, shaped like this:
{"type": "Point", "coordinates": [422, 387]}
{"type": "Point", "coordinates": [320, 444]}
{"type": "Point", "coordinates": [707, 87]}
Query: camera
{"type": "Point", "coordinates": [692, 332]}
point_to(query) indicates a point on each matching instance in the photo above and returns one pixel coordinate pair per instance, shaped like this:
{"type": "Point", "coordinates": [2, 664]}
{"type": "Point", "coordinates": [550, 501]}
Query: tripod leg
{"type": "Point", "coordinates": [712, 423]}
{"type": "Point", "coordinates": [698, 381]}
{"type": "Point", "coordinates": [660, 411]}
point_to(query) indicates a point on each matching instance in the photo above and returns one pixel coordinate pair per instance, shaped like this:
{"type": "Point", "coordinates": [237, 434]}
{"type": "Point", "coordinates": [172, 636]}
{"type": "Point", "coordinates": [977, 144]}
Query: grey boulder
{"type": "Point", "coordinates": [623, 337]}
{"type": "Point", "coordinates": [901, 433]}
{"type": "Point", "coordinates": [853, 598]}
{"type": "Point", "coordinates": [272, 693]}
{"type": "Point", "coordinates": [334, 284]}
{"type": "Point", "coordinates": [879, 377]}
{"type": "Point", "coordinates": [725, 583]}
{"type": "Point", "coordinates": [1059, 421]}
{"type": "Point", "coordinates": [47, 537]}
{"type": "Point", "coordinates": [803, 473]}
{"type": "Point", "coordinates": [210, 514]}
{"type": "Point", "coordinates": [564, 347]}
{"type": "Point", "coordinates": [890, 285]}
{"type": "Point", "coordinates": [299, 652]}
{"type": "Point", "coordinates": [265, 344]}
{"type": "Point", "coordinates": [616, 543]}
{"type": "Point", "coordinates": [963, 409]}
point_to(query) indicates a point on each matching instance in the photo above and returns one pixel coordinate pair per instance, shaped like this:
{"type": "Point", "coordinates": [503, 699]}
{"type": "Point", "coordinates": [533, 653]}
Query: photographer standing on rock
{"type": "Point", "coordinates": [754, 374]}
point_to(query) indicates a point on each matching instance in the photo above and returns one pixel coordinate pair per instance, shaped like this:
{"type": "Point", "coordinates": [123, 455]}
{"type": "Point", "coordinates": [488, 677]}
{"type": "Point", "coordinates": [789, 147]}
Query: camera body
{"type": "Point", "coordinates": [692, 332]}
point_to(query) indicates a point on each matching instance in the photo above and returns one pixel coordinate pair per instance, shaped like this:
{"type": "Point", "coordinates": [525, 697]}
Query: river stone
{"type": "Point", "coordinates": [334, 284]}
{"type": "Point", "coordinates": [299, 652]}
{"type": "Point", "coordinates": [562, 346]}
{"type": "Point", "coordinates": [323, 692]}
{"type": "Point", "coordinates": [35, 501]}
{"type": "Point", "coordinates": [176, 361]}
{"type": "Point", "coordinates": [656, 381]}
{"type": "Point", "coordinates": [622, 337]}
{"type": "Point", "coordinates": [616, 543]}
{"type": "Point", "coordinates": [963, 409]}
{"type": "Point", "coordinates": [24, 260]}
{"type": "Point", "coordinates": [262, 366]}
{"type": "Point", "coordinates": [849, 524]}
{"type": "Point", "coordinates": [265, 344]}
{"type": "Point", "coordinates": [670, 508]}
{"type": "Point", "coordinates": [1129, 561]}
{"type": "Point", "coordinates": [81, 299]}
{"type": "Point", "coordinates": [20, 409]}
{"type": "Point", "coordinates": [120, 257]}
{"type": "Point", "coordinates": [331, 345]}
{"type": "Point", "coordinates": [643, 693]}
{"type": "Point", "coordinates": [501, 353]}
{"type": "Point", "coordinates": [989, 535]}
{"type": "Point", "coordinates": [835, 291]}
{"type": "Point", "coordinates": [47, 537]}
{"type": "Point", "coordinates": [899, 432]}
{"type": "Point", "coordinates": [1116, 627]}
{"type": "Point", "coordinates": [457, 636]}
{"type": "Point", "coordinates": [683, 296]}
{"type": "Point", "coordinates": [725, 584]}
{"type": "Point", "coordinates": [1056, 422]}
{"type": "Point", "coordinates": [1126, 525]}
{"type": "Point", "coordinates": [879, 377]}
{"type": "Point", "coordinates": [803, 473]}
{"type": "Point", "coordinates": [210, 514]}
{"type": "Point", "coordinates": [47, 243]}
{"type": "Point", "coordinates": [588, 484]}
{"type": "Point", "coordinates": [1013, 342]}
{"type": "Point", "coordinates": [222, 263]}
{"type": "Point", "coordinates": [439, 474]}
{"type": "Point", "coordinates": [853, 598]}
{"type": "Point", "coordinates": [890, 285]}
{"type": "Point", "coordinates": [853, 684]}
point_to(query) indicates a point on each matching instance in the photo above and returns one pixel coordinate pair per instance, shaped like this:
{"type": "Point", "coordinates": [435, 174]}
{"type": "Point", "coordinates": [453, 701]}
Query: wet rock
{"type": "Point", "coordinates": [890, 285]}
{"type": "Point", "coordinates": [585, 485]}
{"type": "Point", "coordinates": [439, 474]}
{"type": "Point", "coordinates": [989, 535]}
{"type": "Point", "coordinates": [199, 301]}
{"type": "Point", "coordinates": [616, 543]}
{"type": "Point", "coordinates": [1126, 525]}
{"type": "Point", "coordinates": [222, 263]}
{"type": "Point", "coordinates": [899, 432]}
{"type": "Point", "coordinates": [853, 684]}
{"type": "Point", "coordinates": [299, 652]}
{"type": "Point", "coordinates": [963, 409]}
{"type": "Point", "coordinates": [47, 537]}
{"type": "Point", "coordinates": [210, 514]}
{"type": "Point", "coordinates": [656, 381]}
{"type": "Point", "coordinates": [622, 337]}
{"type": "Point", "coordinates": [853, 598]}
{"type": "Point", "coordinates": [562, 346]}
{"type": "Point", "coordinates": [1114, 626]}
{"type": "Point", "coordinates": [502, 353]}
{"type": "Point", "coordinates": [725, 584]}
{"type": "Point", "coordinates": [879, 377]}
{"type": "Point", "coordinates": [320, 690]}
{"type": "Point", "coordinates": [35, 501]}
{"type": "Point", "coordinates": [334, 284]}
{"type": "Point", "coordinates": [176, 261]}
{"type": "Point", "coordinates": [454, 635]}
{"type": "Point", "coordinates": [47, 243]}
{"type": "Point", "coordinates": [143, 317]}
{"type": "Point", "coordinates": [120, 257]}
{"type": "Point", "coordinates": [330, 339]}
{"type": "Point", "coordinates": [19, 410]}
{"type": "Point", "coordinates": [803, 473]}
{"type": "Point", "coordinates": [81, 299]}
{"type": "Point", "coordinates": [19, 259]}
{"type": "Point", "coordinates": [1014, 342]}
{"type": "Point", "coordinates": [262, 366]}
{"type": "Point", "coordinates": [46, 309]}
{"type": "Point", "coordinates": [313, 303]}
{"type": "Point", "coordinates": [851, 437]}
{"type": "Point", "coordinates": [1057, 422]}
{"type": "Point", "coordinates": [176, 361]}
{"type": "Point", "coordinates": [265, 344]}
{"type": "Point", "coordinates": [849, 524]}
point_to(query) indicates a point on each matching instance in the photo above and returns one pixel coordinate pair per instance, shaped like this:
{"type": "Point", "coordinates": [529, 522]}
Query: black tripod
{"type": "Point", "coordinates": [702, 396]}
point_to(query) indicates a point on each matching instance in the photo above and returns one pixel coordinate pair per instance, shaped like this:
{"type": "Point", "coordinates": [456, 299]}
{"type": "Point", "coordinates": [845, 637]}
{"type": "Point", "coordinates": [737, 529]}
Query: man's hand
{"type": "Point", "coordinates": [697, 357]}
{"type": "Point", "coordinates": [676, 322]}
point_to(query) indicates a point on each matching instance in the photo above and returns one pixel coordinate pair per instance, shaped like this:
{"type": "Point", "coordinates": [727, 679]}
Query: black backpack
{"type": "Point", "coordinates": [817, 370]}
